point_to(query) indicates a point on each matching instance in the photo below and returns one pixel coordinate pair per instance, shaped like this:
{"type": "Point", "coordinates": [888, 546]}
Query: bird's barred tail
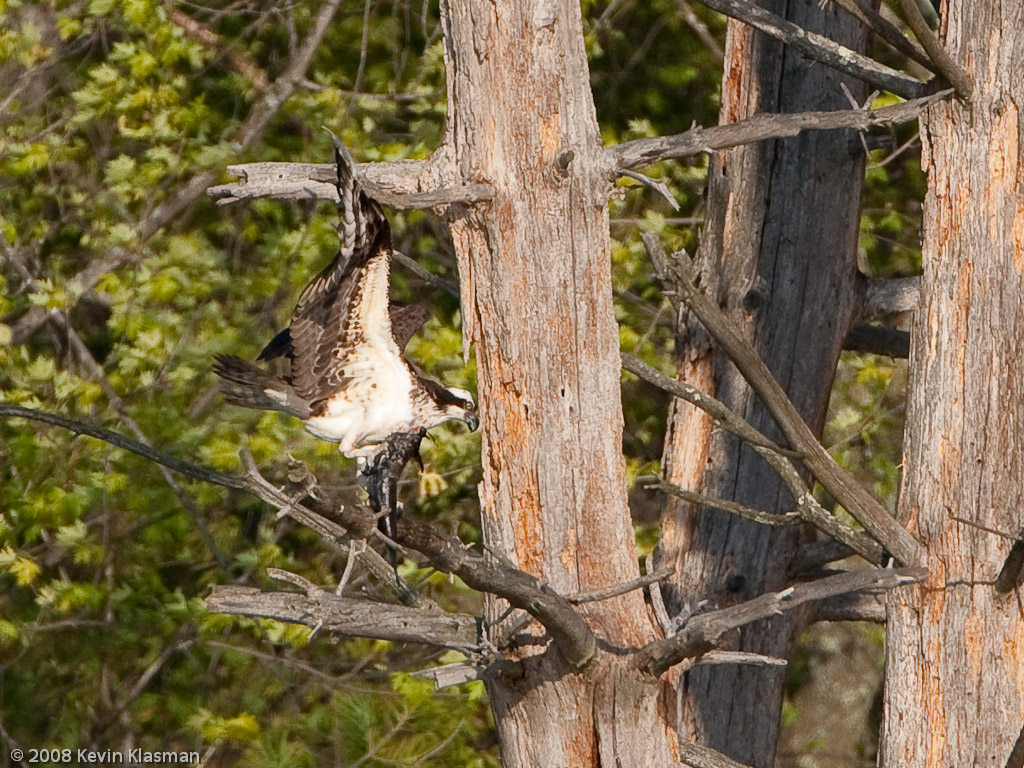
{"type": "Point", "coordinates": [360, 217]}
{"type": "Point", "coordinates": [247, 385]}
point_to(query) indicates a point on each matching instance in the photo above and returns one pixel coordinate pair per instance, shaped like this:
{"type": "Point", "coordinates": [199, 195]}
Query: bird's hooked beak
{"type": "Point", "coordinates": [472, 421]}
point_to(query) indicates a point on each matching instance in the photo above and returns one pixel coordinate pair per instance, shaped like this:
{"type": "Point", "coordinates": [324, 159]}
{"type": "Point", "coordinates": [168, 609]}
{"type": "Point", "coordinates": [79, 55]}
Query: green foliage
{"type": "Point", "coordinates": [110, 108]}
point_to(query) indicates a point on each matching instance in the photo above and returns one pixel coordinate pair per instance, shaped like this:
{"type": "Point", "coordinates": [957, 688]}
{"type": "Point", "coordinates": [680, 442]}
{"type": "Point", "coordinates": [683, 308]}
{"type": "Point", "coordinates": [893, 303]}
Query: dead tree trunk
{"type": "Point", "coordinates": [954, 683]}
{"type": "Point", "coordinates": [537, 306]}
{"type": "Point", "coordinates": [779, 251]}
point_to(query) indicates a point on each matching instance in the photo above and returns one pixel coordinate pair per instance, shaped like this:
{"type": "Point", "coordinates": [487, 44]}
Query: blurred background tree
{"type": "Point", "coordinates": [121, 279]}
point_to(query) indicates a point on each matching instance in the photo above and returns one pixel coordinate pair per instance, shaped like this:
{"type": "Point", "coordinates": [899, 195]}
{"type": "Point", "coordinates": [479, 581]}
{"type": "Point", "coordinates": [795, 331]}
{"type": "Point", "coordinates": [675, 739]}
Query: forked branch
{"type": "Point", "coordinates": [707, 630]}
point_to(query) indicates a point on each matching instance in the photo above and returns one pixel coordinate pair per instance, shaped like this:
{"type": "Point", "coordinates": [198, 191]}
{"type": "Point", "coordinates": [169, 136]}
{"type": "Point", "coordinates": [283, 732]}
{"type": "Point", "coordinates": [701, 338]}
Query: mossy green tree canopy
{"type": "Point", "coordinates": [109, 110]}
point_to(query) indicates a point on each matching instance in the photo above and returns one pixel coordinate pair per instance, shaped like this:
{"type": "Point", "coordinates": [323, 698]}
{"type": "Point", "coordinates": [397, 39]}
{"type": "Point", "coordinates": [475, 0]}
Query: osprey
{"type": "Point", "coordinates": [348, 379]}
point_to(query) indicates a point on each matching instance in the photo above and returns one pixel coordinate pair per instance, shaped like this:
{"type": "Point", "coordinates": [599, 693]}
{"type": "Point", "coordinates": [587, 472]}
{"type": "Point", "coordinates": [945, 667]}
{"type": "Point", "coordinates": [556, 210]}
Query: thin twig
{"type": "Point", "coordinates": [694, 22]}
{"type": "Point", "coordinates": [699, 499]}
{"type": "Point", "coordinates": [607, 593]}
{"type": "Point", "coordinates": [658, 186]}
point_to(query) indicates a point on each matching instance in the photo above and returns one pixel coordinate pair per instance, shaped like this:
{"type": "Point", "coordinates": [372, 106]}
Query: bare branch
{"type": "Point", "coordinates": [878, 340]}
{"type": "Point", "coordinates": [608, 593]}
{"type": "Point", "coordinates": [725, 505]}
{"type": "Point", "coordinates": [864, 507]}
{"type": "Point", "coordinates": [694, 22]}
{"type": "Point", "coordinates": [820, 48]}
{"type": "Point", "coordinates": [856, 606]}
{"type": "Point", "coordinates": [641, 152]}
{"type": "Point", "coordinates": [699, 756]}
{"type": "Point", "coordinates": [195, 471]}
{"type": "Point", "coordinates": [884, 298]}
{"type": "Point", "coordinates": [348, 617]}
{"type": "Point", "coordinates": [207, 38]}
{"type": "Point", "coordinates": [570, 632]}
{"type": "Point", "coordinates": [401, 184]}
{"type": "Point", "coordinates": [739, 657]}
{"type": "Point", "coordinates": [729, 419]}
{"type": "Point", "coordinates": [708, 630]}
{"type": "Point", "coordinates": [777, 458]}
{"type": "Point", "coordinates": [948, 68]}
{"type": "Point", "coordinates": [886, 30]}
{"type": "Point", "coordinates": [448, 554]}
{"type": "Point", "coordinates": [658, 186]}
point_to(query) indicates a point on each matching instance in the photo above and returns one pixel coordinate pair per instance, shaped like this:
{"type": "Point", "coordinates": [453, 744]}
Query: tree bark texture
{"type": "Point", "coordinates": [954, 690]}
{"type": "Point", "coordinates": [535, 277]}
{"type": "Point", "coordinates": [778, 251]}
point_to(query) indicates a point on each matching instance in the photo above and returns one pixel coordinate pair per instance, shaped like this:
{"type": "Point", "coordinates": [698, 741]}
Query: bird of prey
{"type": "Point", "coordinates": [349, 380]}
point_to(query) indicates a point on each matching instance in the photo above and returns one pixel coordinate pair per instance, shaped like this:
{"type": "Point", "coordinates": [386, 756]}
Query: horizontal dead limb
{"type": "Point", "coordinates": [864, 507]}
{"type": "Point", "coordinates": [820, 48]}
{"type": "Point", "coordinates": [699, 756]}
{"type": "Point", "coordinates": [349, 617]}
{"type": "Point", "coordinates": [641, 152]}
{"type": "Point", "coordinates": [397, 184]}
{"type": "Point", "coordinates": [706, 631]}
{"type": "Point", "coordinates": [855, 606]}
{"type": "Point", "coordinates": [885, 298]}
{"type": "Point", "coordinates": [878, 340]}
{"type": "Point", "coordinates": [777, 458]}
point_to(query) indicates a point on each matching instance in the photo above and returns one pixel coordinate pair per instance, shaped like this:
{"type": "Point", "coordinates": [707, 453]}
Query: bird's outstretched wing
{"type": "Point", "coordinates": [345, 307]}
{"type": "Point", "coordinates": [406, 320]}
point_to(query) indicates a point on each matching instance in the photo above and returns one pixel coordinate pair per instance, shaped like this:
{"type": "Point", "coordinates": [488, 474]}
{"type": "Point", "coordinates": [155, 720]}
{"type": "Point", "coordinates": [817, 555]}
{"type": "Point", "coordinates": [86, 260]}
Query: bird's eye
{"type": "Point", "coordinates": [469, 405]}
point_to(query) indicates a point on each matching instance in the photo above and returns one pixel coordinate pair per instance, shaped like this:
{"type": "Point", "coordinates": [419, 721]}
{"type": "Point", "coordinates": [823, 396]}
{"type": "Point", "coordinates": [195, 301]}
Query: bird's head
{"type": "Point", "coordinates": [462, 406]}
